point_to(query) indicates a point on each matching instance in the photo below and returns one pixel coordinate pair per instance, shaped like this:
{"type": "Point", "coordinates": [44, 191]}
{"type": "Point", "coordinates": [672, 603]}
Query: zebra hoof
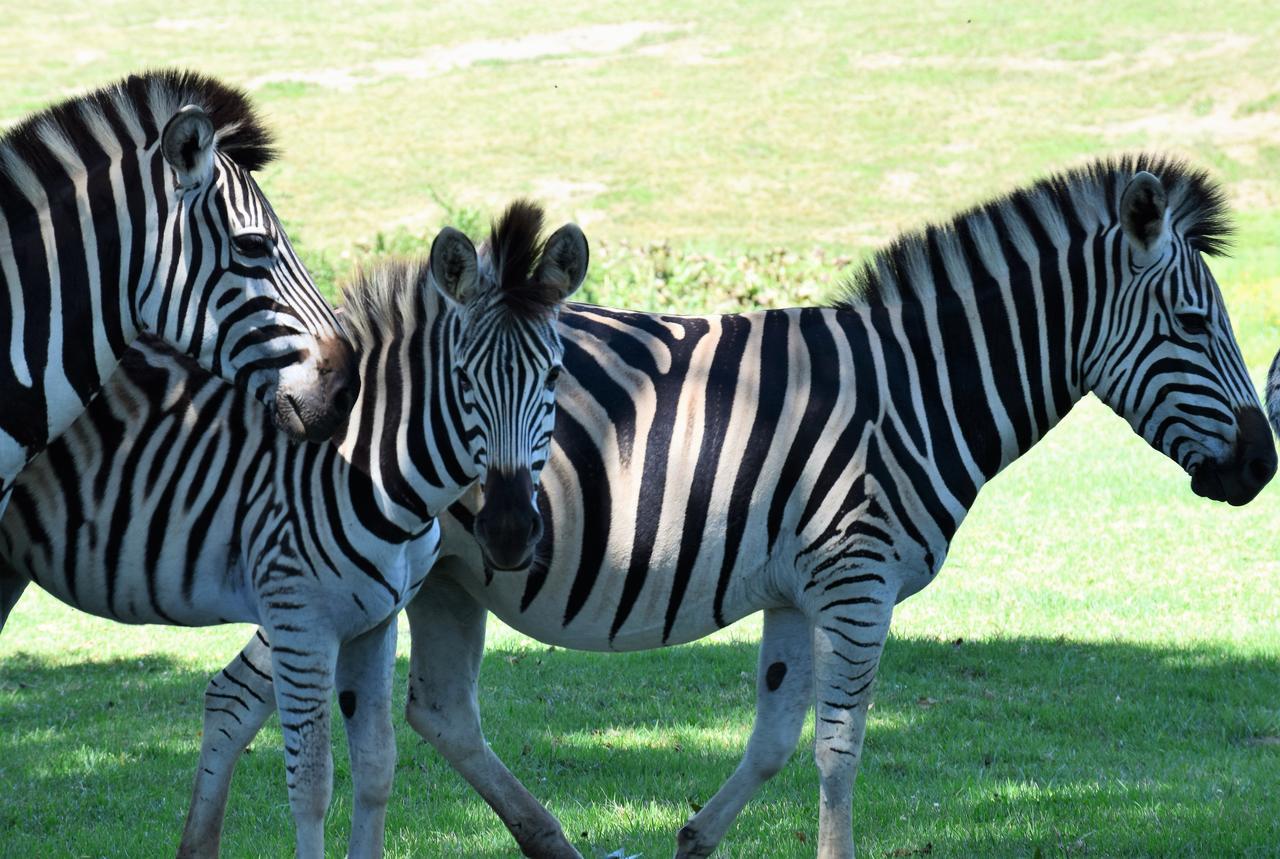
{"type": "Point", "coordinates": [690, 845]}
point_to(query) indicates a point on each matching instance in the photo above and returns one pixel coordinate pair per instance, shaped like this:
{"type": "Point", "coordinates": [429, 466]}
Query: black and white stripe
{"type": "Point", "coordinates": [174, 499]}
{"type": "Point", "coordinates": [133, 208]}
{"type": "Point", "coordinates": [815, 463]}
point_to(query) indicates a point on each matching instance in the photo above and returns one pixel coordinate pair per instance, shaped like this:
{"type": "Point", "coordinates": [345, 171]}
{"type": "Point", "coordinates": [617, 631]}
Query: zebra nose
{"type": "Point", "coordinates": [1258, 454]}
{"type": "Point", "coordinates": [508, 526]}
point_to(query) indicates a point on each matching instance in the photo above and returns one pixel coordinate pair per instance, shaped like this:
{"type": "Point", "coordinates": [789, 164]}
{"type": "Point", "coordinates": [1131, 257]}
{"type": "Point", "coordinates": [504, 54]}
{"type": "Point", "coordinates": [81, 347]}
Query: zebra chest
{"type": "Point", "coordinates": [347, 589]}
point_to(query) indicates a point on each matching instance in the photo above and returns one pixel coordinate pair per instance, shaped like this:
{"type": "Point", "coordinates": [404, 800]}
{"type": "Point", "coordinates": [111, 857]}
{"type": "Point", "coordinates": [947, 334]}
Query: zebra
{"type": "Point", "coordinates": [814, 463]}
{"type": "Point", "coordinates": [174, 500]}
{"type": "Point", "coordinates": [1273, 392]}
{"type": "Point", "coordinates": [133, 208]}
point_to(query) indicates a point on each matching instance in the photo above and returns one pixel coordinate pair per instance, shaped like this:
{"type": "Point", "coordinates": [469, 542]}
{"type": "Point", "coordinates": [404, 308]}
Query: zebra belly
{"type": "Point", "coordinates": [135, 594]}
{"type": "Point", "coordinates": [117, 565]}
{"type": "Point", "coordinates": [591, 627]}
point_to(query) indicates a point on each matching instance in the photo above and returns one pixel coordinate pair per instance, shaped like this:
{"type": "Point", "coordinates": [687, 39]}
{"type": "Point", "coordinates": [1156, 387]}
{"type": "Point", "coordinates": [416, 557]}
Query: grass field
{"type": "Point", "coordinates": [1097, 671]}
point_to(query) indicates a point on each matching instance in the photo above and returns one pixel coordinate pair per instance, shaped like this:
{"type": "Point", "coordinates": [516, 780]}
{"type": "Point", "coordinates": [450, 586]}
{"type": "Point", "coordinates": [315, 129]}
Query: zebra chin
{"type": "Point", "coordinates": [1239, 478]}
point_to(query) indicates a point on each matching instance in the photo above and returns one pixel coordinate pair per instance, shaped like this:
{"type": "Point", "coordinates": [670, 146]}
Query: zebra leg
{"type": "Point", "coordinates": [366, 670]}
{"type": "Point", "coordinates": [11, 587]}
{"type": "Point", "coordinates": [447, 627]}
{"type": "Point", "coordinates": [784, 686]}
{"type": "Point", "coordinates": [237, 702]}
{"type": "Point", "coordinates": [304, 675]}
{"type": "Point", "coordinates": [848, 638]}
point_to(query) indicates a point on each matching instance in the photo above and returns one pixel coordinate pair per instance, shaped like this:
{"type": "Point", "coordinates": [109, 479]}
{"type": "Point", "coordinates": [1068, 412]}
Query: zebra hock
{"type": "Point", "coordinates": [133, 208]}
{"type": "Point", "coordinates": [831, 456]}
{"type": "Point", "coordinates": [320, 544]}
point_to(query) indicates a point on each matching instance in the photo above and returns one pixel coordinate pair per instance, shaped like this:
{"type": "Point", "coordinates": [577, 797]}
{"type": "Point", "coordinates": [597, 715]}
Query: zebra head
{"type": "Point", "coordinates": [227, 286]}
{"type": "Point", "coordinates": [1171, 366]}
{"type": "Point", "coordinates": [507, 357]}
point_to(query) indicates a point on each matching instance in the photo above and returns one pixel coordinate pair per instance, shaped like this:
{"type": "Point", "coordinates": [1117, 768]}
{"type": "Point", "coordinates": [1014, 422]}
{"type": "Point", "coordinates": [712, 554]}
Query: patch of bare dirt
{"type": "Point", "coordinates": [587, 41]}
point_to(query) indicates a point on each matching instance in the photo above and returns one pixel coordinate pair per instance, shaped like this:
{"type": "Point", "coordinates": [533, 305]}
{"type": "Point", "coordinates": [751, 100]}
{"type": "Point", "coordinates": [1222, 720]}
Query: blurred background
{"type": "Point", "coordinates": [1097, 669]}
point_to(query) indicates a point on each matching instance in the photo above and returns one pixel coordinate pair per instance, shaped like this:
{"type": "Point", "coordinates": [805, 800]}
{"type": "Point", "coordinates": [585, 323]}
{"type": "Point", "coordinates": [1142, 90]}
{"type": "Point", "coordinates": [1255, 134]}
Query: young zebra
{"type": "Point", "coordinates": [815, 463]}
{"type": "Point", "coordinates": [133, 209]}
{"type": "Point", "coordinates": [173, 500]}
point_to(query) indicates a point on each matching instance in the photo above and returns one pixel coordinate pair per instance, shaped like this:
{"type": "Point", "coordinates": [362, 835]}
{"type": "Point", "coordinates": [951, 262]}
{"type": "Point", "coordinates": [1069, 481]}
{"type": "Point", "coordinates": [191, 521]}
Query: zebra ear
{"type": "Point", "coordinates": [454, 269]}
{"type": "Point", "coordinates": [564, 260]}
{"type": "Point", "coordinates": [187, 144]}
{"type": "Point", "coordinates": [1143, 207]}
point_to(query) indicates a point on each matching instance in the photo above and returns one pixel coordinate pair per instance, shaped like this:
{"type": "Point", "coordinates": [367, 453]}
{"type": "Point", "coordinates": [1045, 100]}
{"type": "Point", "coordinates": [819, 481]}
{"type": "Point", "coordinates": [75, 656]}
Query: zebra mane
{"type": "Point", "coordinates": [137, 107]}
{"type": "Point", "coordinates": [508, 258]}
{"type": "Point", "coordinates": [1083, 198]}
{"type": "Point", "coordinates": [386, 299]}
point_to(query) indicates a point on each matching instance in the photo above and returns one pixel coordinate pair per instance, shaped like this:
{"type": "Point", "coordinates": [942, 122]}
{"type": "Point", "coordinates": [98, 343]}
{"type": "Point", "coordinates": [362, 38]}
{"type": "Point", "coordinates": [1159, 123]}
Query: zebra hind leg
{"type": "Point", "coordinates": [447, 628]}
{"type": "Point", "coordinates": [851, 624]}
{"type": "Point", "coordinates": [237, 702]}
{"type": "Point", "coordinates": [784, 689]}
{"type": "Point", "coordinates": [11, 587]}
{"type": "Point", "coordinates": [366, 669]}
{"type": "Point", "coordinates": [304, 666]}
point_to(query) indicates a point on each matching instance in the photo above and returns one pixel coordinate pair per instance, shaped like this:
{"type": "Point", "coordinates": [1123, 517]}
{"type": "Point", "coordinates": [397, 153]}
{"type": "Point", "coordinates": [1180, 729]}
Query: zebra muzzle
{"type": "Point", "coordinates": [317, 411]}
{"type": "Point", "coordinates": [1238, 479]}
{"type": "Point", "coordinates": [509, 526]}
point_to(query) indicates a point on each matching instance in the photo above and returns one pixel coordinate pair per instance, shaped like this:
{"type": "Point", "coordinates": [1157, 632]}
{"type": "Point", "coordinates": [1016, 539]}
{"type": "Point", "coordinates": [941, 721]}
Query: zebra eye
{"type": "Point", "coordinates": [254, 245]}
{"type": "Point", "coordinates": [1193, 323]}
{"type": "Point", "coordinates": [553, 376]}
{"type": "Point", "coordinates": [464, 382]}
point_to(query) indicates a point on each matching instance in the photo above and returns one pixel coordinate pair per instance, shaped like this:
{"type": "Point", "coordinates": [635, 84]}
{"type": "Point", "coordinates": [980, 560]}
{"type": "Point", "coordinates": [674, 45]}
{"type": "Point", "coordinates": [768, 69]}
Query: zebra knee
{"type": "Point", "coordinates": [769, 757]}
{"type": "Point", "coordinates": [377, 771]}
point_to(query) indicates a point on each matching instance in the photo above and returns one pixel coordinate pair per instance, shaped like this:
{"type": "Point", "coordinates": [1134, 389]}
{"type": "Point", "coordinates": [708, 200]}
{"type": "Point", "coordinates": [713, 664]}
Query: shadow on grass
{"type": "Point", "coordinates": [997, 747]}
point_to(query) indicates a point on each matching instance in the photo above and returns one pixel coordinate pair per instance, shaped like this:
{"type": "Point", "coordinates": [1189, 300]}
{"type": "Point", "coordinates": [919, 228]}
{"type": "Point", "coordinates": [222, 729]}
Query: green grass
{"type": "Point", "coordinates": [1116, 688]}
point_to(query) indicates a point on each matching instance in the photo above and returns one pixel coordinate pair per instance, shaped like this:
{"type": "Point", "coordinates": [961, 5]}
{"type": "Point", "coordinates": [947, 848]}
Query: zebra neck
{"type": "Point", "coordinates": [997, 358]}
{"type": "Point", "coordinates": [404, 446]}
{"type": "Point", "coordinates": [74, 230]}
{"type": "Point", "coordinates": [169, 268]}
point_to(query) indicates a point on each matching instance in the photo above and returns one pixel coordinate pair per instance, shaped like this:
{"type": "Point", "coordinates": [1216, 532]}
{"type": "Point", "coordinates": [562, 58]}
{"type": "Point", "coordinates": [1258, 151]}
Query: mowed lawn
{"type": "Point", "coordinates": [1096, 671]}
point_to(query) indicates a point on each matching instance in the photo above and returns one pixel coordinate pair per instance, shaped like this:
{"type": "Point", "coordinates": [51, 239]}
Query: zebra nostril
{"type": "Point", "coordinates": [1262, 469]}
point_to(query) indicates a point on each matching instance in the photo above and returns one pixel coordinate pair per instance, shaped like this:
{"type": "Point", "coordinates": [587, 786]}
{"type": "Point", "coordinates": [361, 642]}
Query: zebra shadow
{"type": "Point", "coordinates": [974, 748]}
{"type": "Point", "coordinates": [994, 747]}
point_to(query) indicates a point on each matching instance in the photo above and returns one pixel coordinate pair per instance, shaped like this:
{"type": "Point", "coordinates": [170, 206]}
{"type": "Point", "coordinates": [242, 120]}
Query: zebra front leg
{"type": "Point", "coordinates": [784, 686]}
{"type": "Point", "coordinates": [237, 702]}
{"type": "Point", "coordinates": [303, 667]}
{"type": "Point", "coordinates": [848, 638]}
{"type": "Point", "coordinates": [366, 670]}
{"type": "Point", "coordinates": [447, 628]}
